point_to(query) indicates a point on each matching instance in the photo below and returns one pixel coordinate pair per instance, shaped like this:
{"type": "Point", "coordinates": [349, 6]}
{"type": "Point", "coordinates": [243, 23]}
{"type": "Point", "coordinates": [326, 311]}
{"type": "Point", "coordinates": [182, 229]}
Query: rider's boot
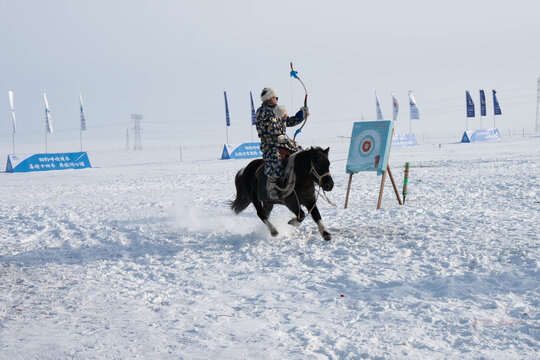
{"type": "Point", "coordinates": [272, 188]}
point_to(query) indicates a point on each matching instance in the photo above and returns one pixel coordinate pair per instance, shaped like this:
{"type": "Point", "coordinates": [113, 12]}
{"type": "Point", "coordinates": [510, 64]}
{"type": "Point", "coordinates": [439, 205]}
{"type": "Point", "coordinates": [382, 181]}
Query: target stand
{"type": "Point", "coordinates": [369, 150]}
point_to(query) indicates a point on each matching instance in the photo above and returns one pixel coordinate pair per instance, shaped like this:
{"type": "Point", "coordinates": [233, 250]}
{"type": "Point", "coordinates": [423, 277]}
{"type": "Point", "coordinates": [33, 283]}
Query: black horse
{"type": "Point", "coordinates": [310, 167]}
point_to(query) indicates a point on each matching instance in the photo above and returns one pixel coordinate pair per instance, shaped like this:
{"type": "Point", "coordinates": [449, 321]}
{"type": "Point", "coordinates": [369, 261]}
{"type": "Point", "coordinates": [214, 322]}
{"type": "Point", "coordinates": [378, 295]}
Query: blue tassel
{"type": "Point", "coordinates": [297, 132]}
{"type": "Point", "coordinates": [294, 74]}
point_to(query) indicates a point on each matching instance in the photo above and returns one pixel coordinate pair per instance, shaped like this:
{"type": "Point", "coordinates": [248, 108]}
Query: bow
{"type": "Point", "coordinates": [294, 74]}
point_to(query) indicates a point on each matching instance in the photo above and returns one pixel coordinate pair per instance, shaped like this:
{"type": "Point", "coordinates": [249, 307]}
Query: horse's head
{"type": "Point", "coordinates": [320, 168]}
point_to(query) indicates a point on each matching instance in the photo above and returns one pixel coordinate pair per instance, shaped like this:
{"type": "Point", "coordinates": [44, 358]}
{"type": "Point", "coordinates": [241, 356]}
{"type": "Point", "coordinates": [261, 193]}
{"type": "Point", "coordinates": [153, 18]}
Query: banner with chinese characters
{"type": "Point", "coordinates": [45, 162]}
{"type": "Point", "coordinates": [242, 151]}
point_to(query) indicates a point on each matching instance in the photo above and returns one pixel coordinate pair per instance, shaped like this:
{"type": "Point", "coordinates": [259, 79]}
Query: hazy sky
{"type": "Point", "coordinates": [171, 61]}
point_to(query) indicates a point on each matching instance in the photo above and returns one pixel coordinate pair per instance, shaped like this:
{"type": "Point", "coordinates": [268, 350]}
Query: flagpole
{"type": "Point", "coordinates": [80, 132]}
{"type": "Point", "coordinates": [12, 105]}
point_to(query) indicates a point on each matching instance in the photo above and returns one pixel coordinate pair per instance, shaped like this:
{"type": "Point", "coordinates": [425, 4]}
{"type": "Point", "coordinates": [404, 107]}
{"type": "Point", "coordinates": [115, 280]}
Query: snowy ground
{"type": "Point", "coordinates": [145, 260]}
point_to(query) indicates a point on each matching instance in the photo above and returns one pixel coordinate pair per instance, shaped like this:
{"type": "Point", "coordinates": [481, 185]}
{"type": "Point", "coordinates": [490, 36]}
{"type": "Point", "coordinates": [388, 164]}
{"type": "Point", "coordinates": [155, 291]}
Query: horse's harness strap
{"type": "Point", "coordinates": [317, 176]}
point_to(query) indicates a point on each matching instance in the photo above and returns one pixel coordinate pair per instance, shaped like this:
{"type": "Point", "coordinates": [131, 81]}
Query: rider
{"type": "Point", "coordinates": [271, 123]}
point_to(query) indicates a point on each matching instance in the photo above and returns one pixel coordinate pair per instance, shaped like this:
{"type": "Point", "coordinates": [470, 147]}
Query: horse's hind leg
{"type": "Point", "coordinates": [263, 211]}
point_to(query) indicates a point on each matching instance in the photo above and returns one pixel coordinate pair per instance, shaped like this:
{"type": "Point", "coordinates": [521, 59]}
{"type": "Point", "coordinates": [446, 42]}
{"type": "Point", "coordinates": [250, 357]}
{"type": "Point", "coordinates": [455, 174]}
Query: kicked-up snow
{"type": "Point", "coordinates": [141, 257]}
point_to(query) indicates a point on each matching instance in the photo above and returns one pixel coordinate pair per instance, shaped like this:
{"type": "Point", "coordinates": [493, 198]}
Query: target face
{"type": "Point", "coordinates": [370, 143]}
{"type": "Point", "coordinates": [367, 145]}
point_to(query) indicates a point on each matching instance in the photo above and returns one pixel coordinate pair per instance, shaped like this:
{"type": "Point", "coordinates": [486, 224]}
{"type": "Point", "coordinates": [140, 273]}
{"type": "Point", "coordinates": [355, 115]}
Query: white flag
{"type": "Point", "coordinates": [395, 106]}
{"type": "Point", "coordinates": [48, 122]}
{"type": "Point", "coordinates": [83, 121]}
{"type": "Point", "coordinates": [12, 111]}
{"type": "Point", "coordinates": [415, 114]}
{"type": "Point", "coordinates": [379, 112]}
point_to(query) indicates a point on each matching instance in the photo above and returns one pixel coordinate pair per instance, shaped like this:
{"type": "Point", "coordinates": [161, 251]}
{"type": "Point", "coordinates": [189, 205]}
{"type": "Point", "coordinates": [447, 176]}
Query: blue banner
{"type": "Point", "coordinates": [403, 140]}
{"type": "Point", "coordinates": [378, 106]}
{"type": "Point", "coordinates": [482, 103]}
{"type": "Point", "coordinates": [481, 135]}
{"type": "Point", "coordinates": [252, 109]}
{"type": "Point", "coordinates": [45, 162]}
{"type": "Point", "coordinates": [227, 118]}
{"type": "Point", "coordinates": [470, 105]}
{"type": "Point", "coordinates": [370, 146]}
{"type": "Point", "coordinates": [496, 107]}
{"type": "Point", "coordinates": [414, 113]}
{"type": "Point", "coordinates": [242, 151]}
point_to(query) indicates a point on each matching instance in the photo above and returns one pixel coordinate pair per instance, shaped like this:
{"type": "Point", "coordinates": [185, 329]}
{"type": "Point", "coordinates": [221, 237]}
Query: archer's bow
{"type": "Point", "coordinates": [294, 74]}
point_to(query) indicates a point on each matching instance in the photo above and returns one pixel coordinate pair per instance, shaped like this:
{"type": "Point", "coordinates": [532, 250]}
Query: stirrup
{"type": "Point", "coordinates": [272, 190]}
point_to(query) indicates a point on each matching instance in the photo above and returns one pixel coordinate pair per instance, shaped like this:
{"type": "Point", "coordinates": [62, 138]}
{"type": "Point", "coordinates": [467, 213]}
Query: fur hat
{"type": "Point", "coordinates": [280, 111]}
{"type": "Point", "coordinates": [268, 93]}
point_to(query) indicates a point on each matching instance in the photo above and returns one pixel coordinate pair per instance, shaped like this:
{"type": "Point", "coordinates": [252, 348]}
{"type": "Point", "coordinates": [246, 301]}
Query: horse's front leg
{"type": "Point", "coordinates": [292, 204]}
{"type": "Point", "coordinates": [316, 215]}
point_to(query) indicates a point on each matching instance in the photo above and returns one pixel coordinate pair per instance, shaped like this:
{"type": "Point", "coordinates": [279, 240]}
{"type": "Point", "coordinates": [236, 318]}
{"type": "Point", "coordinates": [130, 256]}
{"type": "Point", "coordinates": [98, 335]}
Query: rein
{"type": "Point", "coordinates": [319, 178]}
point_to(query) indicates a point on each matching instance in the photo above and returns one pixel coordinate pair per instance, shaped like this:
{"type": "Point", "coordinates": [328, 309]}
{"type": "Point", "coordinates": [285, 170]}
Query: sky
{"type": "Point", "coordinates": [171, 61]}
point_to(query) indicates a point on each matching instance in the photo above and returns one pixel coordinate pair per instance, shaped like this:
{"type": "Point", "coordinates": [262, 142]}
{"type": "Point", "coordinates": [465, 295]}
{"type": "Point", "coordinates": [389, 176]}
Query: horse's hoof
{"type": "Point", "coordinates": [326, 236]}
{"type": "Point", "coordinates": [274, 233]}
{"type": "Point", "coordinates": [294, 222]}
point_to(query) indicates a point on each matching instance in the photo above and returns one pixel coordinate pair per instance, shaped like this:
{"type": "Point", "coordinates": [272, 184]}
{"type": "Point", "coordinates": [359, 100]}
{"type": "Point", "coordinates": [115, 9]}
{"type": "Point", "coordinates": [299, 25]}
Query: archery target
{"type": "Point", "coordinates": [369, 143]}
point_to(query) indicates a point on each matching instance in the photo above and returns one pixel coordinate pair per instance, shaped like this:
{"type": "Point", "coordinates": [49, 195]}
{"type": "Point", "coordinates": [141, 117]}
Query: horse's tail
{"type": "Point", "coordinates": [242, 200]}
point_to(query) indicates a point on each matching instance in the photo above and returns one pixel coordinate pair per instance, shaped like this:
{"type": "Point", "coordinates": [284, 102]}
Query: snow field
{"type": "Point", "coordinates": [146, 260]}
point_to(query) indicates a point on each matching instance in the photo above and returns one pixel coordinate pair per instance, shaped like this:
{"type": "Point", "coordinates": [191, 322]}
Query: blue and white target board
{"type": "Point", "coordinates": [481, 135]}
{"type": "Point", "coordinates": [370, 146]}
{"type": "Point", "coordinates": [46, 162]}
{"type": "Point", "coordinates": [242, 151]}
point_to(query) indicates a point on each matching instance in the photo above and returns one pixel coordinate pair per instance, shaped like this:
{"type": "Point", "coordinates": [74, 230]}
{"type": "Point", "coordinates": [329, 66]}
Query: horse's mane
{"type": "Point", "coordinates": [311, 153]}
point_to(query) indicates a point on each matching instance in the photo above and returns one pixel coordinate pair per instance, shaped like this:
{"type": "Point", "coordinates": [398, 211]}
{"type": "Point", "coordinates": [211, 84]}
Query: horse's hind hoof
{"type": "Point", "coordinates": [326, 236]}
{"type": "Point", "coordinates": [274, 233]}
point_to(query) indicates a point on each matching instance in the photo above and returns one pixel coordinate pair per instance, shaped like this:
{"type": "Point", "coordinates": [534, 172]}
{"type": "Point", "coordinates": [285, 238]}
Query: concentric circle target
{"type": "Point", "coordinates": [369, 143]}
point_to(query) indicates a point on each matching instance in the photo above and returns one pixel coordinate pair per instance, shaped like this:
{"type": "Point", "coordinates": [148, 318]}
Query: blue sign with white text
{"type": "Point", "coordinates": [45, 162]}
{"type": "Point", "coordinates": [481, 135]}
{"type": "Point", "coordinates": [402, 140]}
{"type": "Point", "coordinates": [242, 151]}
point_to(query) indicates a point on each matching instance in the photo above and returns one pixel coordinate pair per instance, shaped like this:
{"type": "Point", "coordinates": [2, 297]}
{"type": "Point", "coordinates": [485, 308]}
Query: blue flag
{"type": "Point", "coordinates": [414, 112]}
{"type": "Point", "coordinates": [470, 105]}
{"type": "Point", "coordinates": [496, 107]}
{"type": "Point", "coordinates": [482, 103]}
{"type": "Point", "coordinates": [378, 106]}
{"type": "Point", "coordinates": [252, 109]}
{"type": "Point", "coordinates": [227, 118]}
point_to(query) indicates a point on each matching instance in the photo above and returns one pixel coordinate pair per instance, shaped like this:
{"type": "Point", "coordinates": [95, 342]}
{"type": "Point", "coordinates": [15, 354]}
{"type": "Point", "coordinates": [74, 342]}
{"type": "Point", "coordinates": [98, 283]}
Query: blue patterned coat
{"type": "Point", "coordinates": [269, 127]}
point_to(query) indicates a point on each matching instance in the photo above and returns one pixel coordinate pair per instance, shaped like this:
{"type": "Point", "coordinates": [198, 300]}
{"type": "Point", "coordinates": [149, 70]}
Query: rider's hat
{"type": "Point", "coordinates": [268, 93]}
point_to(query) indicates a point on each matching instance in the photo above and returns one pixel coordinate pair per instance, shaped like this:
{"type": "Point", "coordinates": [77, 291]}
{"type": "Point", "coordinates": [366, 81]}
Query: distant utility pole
{"type": "Point", "coordinates": [537, 124]}
{"type": "Point", "coordinates": [127, 139]}
{"type": "Point", "coordinates": [137, 144]}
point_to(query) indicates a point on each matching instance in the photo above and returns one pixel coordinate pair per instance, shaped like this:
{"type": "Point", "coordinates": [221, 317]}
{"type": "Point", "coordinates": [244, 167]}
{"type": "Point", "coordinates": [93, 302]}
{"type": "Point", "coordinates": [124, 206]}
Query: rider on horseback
{"type": "Point", "coordinates": [271, 123]}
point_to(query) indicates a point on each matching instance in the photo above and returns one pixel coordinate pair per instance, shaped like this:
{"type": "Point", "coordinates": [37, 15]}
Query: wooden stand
{"type": "Point", "coordinates": [382, 183]}
{"type": "Point", "coordinates": [396, 191]}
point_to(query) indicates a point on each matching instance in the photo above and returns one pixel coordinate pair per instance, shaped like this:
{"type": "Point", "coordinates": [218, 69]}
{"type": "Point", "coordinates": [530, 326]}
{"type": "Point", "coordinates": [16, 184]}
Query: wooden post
{"type": "Point", "coordinates": [384, 174]}
{"type": "Point", "coordinates": [348, 191]}
{"type": "Point", "coordinates": [381, 190]}
{"type": "Point", "coordinates": [394, 185]}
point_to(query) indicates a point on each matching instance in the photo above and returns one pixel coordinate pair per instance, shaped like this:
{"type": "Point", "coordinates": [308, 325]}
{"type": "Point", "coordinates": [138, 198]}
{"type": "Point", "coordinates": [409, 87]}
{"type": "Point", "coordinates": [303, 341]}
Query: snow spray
{"type": "Point", "coordinates": [405, 181]}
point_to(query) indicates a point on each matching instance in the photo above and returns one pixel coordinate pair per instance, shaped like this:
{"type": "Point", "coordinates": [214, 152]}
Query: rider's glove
{"type": "Point", "coordinates": [303, 113]}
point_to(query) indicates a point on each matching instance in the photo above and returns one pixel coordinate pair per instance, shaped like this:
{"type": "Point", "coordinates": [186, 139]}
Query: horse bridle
{"type": "Point", "coordinates": [314, 172]}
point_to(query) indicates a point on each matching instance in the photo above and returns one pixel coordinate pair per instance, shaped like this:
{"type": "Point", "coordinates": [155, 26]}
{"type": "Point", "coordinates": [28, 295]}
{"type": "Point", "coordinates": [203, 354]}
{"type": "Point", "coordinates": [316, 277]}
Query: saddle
{"type": "Point", "coordinates": [286, 181]}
